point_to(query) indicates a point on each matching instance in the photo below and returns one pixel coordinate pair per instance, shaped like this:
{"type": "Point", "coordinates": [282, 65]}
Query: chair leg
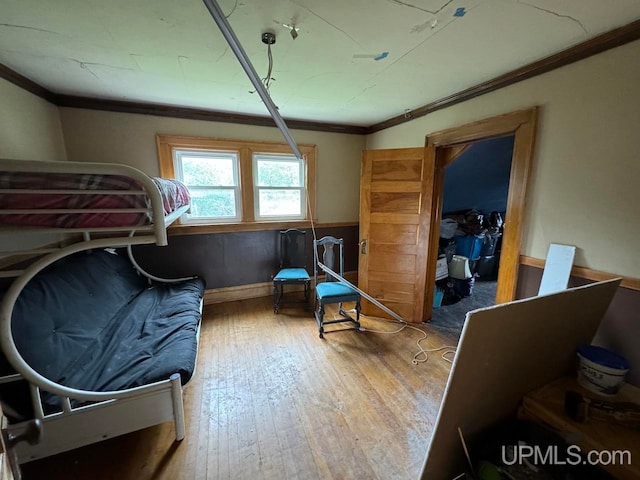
{"type": "Point", "coordinates": [318, 311]}
{"type": "Point", "coordinates": [307, 289]}
{"type": "Point", "coordinates": [277, 295]}
{"type": "Point", "coordinates": [348, 317]}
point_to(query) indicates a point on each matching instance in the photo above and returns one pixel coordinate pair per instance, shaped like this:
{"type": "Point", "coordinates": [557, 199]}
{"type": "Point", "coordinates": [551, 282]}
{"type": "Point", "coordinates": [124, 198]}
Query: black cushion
{"type": "Point", "coordinates": [90, 322]}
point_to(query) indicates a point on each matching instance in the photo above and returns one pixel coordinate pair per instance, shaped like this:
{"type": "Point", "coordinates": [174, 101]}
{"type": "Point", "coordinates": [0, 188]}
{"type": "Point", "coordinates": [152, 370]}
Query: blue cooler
{"type": "Point", "coordinates": [468, 246]}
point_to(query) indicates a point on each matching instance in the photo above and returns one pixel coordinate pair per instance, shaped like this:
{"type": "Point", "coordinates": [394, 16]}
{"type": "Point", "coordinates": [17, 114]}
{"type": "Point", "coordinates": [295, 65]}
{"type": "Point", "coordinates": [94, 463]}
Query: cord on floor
{"type": "Point", "coordinates": [422, 356]}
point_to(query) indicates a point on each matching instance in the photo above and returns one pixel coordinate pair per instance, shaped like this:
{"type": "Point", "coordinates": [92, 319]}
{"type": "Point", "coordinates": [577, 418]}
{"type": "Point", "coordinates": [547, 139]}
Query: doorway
{"type": "Point", "coordinates": [450, 144]}
{"type": "Point", "coordinates": [401, 193]}
{"type": "Point", "coordinates": [474, 205]}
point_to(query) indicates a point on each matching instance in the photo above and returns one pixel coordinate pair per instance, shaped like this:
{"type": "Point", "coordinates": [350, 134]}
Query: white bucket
{"type": "Point", "coordinates": [601, 371]}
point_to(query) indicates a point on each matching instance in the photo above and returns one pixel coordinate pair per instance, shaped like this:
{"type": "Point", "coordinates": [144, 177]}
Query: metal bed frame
{"type": "Point", "coordinates": [102, 415]}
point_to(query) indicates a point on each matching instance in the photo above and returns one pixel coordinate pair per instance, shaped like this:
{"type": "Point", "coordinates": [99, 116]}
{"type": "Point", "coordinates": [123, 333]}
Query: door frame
{"type": "Point", "coordinates": [452, 142]}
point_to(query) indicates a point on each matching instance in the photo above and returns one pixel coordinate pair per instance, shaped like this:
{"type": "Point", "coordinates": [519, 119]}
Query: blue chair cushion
{"type": "Point", "coordinates": [291, 274]}
{"type": "Point", "coordinates": [334, 289]}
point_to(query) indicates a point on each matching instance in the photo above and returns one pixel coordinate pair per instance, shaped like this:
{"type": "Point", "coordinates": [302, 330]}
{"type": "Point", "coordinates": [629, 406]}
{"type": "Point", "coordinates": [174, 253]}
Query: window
{"type": "Point", "coordinates": [278, 181]}
{"type": "Point", "coordinates": [238, 184]}
{"type": "Point", "coordinates": [212, 178]}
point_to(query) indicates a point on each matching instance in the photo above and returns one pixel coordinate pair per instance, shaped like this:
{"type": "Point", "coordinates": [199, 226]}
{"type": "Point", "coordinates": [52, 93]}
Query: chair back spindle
{"type": "Point", "coordinates": [332, 290]}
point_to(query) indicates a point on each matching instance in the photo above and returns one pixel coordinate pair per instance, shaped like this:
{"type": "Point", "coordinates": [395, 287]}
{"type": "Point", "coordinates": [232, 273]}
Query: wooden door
{"type": "Point", "coordinates": [396, 198]}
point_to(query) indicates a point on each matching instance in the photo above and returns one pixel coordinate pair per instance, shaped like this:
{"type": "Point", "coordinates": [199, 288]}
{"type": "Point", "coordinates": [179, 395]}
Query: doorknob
{"type": "Point", "coordinates": [363, 246]}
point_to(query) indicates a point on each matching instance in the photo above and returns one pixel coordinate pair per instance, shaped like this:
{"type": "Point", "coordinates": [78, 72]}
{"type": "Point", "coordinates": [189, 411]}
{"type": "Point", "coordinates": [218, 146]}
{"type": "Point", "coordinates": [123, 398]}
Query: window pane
{"type": "Point", "coordinates": [279, 173]}
{"type": "Point", "coordinates": [214, 171]}
{"type": "Point", "coordinates": [213, 203]}
{"type": "Point", "coordinates": [280, 203]}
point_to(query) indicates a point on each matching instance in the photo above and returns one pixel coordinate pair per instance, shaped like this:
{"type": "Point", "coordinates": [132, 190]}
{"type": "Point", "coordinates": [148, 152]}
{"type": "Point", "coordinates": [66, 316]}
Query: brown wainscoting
{"type": "Point", "coordinates": [257, 290]}
{"type": "Point", "coordinates": [231, 259]}
{"type": "Point", "coordinates": [620, 327]}
{"type": "Point", "coordinates": [586, 273]}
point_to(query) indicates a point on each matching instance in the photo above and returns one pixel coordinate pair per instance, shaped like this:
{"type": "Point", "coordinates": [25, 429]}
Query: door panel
{"type": "Point", "coordinates": [390, 277]}
{"type": "Point", "coordinates": [401, 234]}
{"type": "Point", "coordinates": [391, 261]}
{"type": "Point", "coordinates": [384, 169]}
{"type": "Point", "coordinates": [394, 218]}
{"type": "Point", "coordinates": [396, 196]}
{"type": "Point", "coordinates": [395, 202]}
{"type": "Point", "coordinates": [395, 292]}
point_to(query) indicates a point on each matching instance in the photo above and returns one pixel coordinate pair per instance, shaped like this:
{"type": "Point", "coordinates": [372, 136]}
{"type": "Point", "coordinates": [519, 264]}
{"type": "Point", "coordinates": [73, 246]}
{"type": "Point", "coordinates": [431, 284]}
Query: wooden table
{"type": "Point", "coordinates": [546, 405]}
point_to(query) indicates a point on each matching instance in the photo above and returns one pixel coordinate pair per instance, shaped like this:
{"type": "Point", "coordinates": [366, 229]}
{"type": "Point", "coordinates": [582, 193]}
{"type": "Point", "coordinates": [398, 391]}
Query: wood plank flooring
{"type": "Point", "coordinates": [271, 400]}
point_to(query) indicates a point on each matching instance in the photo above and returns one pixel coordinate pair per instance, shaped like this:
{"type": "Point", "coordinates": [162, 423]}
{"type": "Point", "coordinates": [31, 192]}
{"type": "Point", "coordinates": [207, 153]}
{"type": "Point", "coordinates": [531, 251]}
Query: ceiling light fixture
{"type": "Point", "coordinates": [235, 46]}
{"type": "Point", "coordinates": [268, 38]}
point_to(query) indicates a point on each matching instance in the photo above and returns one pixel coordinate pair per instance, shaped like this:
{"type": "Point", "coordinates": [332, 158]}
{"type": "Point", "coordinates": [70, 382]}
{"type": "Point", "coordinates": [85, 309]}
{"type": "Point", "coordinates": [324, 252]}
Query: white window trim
{"type": "Point", "coordinates": [235, 161]}
{"type": "Point", "coordinates": [168, 143]}
{"type": "Point", "coordinates": [281, 157]}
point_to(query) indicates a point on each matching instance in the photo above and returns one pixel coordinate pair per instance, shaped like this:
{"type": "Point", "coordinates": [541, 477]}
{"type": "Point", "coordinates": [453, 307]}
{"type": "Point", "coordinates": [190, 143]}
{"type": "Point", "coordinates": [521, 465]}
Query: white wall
{"type": "Point", "coordinates": [130, 138]}
{"type": "Point", "coordinates": [30, 127]}
{"type": "Point", "coordinates": [585, 184]}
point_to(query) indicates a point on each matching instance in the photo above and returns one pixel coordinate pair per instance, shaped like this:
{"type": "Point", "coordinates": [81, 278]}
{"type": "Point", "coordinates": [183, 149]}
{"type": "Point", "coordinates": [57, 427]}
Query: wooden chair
{"type": "Point", "coordinates": [293, 267]}
{"type": "Point", "coordinates": [332, 290]}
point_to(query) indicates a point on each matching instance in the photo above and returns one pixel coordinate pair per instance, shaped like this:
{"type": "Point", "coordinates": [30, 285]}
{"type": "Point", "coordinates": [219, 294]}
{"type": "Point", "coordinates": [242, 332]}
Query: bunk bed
{"type": "Point", "coordinates": [104, 347]}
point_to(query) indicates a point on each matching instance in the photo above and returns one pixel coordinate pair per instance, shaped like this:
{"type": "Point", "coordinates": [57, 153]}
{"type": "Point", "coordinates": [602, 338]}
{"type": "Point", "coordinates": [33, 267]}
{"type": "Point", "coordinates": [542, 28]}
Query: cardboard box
{"type": "Point", "coordinates": [442, 269]}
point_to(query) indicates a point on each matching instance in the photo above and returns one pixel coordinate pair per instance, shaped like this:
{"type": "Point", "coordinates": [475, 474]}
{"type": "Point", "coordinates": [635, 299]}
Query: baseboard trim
{"type": "Point", "coordinates": [255, 290]}
{"type": "Point", "coordinates": [596, 275]}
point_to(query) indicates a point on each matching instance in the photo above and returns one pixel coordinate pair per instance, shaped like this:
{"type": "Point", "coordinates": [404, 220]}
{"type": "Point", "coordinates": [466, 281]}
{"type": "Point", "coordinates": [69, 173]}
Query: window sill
{"type": "Point", "coordinates": [196, 229]}
{"type": "Point", "coordinates": [201, 229]}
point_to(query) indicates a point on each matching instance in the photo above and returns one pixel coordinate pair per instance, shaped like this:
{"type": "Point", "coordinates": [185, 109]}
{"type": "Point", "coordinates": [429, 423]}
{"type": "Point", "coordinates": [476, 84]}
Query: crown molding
{"type": "Point", "coordinates": [159, 110]}
{"type": "Point", "coordinates": [199, 114]}
{"type": "Point", "coordinates": [26, 84]}
{"type": "Point", "coordinates": [614, 38]}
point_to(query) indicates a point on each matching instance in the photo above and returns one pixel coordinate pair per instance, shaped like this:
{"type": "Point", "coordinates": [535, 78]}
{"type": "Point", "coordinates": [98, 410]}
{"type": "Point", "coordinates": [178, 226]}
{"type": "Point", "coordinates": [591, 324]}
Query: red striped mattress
{"type": "Point", "coordinates": [174, 193]}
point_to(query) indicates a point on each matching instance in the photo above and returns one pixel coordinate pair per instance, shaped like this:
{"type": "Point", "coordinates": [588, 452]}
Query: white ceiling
{"type": "Point", "coordinates": [170, 52]}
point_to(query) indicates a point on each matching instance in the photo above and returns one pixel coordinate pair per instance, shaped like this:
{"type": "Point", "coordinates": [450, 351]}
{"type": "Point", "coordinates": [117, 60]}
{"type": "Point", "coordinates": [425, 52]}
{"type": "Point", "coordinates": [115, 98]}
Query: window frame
{"type": "Point", "coordinates": [256, 157]}
{"type": "Point", "coordinates": [235, 158]}
{"type": "Point", "coordinates": [168, 144]}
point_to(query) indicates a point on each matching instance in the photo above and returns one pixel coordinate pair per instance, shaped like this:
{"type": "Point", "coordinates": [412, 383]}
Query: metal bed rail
{"type": "Point", "coordinates": [110, 412]}
{"type": "Point", "coordinates": [149, 188]}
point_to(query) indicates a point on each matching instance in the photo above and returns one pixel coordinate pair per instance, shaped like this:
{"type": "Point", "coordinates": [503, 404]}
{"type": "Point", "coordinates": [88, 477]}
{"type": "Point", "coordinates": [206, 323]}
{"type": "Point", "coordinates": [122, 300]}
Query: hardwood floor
{"type": "Point", "coordinates": [270, 400]}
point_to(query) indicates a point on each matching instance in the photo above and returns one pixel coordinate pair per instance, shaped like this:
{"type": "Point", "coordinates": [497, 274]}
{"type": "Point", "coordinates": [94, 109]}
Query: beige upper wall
{"type": "Point", "coordinates": [30, 127]}
{"type": "Point", "coordinates": [129, 138]}
{"type": "Point", "coordinates": [585, 183]}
